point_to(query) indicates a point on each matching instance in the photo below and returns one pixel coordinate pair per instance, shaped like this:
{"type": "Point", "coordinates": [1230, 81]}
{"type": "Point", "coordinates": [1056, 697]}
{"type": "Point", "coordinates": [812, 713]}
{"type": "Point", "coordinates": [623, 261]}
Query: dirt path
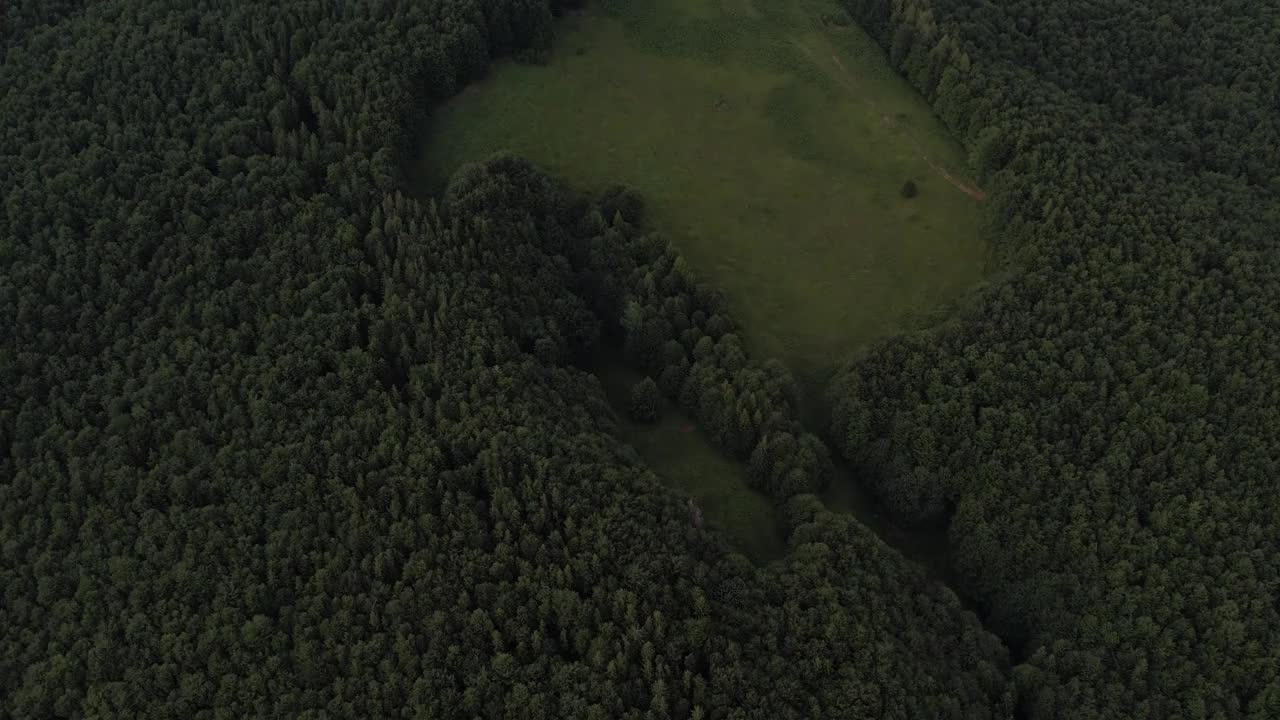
{"type": "Point", "coordinates": [846, 79]}
{"type": "Point", "coordinates": [972, 191]}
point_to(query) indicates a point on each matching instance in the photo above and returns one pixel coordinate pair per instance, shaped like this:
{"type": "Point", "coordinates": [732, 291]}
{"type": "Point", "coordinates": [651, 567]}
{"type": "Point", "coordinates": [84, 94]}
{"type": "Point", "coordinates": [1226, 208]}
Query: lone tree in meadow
{"type": "Point", "coordinates": [645, 399]}
{"type": "Point", "coordinates": [909, 189]}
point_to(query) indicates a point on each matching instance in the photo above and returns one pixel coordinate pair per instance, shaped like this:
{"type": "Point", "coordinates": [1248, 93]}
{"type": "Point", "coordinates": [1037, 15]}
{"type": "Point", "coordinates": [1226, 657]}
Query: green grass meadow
{"type": "Point", "coordinates": [772, 170]}
{"type": "Point", "coordinates": [771, 147]}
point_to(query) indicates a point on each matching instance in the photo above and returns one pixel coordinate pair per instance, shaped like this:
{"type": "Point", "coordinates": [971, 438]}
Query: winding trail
{"type": "Point", "coordinates": [847, 80]}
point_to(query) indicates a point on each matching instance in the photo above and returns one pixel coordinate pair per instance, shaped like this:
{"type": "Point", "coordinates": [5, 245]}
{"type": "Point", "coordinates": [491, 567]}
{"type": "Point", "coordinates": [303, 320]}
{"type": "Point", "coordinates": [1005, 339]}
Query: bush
{"type": "Point", "coordinates": [645, 400]}
{"type": "Point", "coordinates": [624, 201]}
{"type": "Point", "coordinates": [909, 189]}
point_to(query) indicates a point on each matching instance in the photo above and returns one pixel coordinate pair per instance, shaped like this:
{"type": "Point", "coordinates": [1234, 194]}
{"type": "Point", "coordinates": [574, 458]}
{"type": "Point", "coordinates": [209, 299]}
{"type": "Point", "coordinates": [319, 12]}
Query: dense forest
{"type": "Point", "coordinates": [278, 439]}
{"type": "Point", "coordinates": [1101, 427]}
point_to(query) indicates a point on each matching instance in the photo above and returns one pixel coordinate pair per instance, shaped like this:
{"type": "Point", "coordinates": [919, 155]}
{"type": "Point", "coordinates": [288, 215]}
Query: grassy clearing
{"type": "Point", "coordinates": [687, 462]}
{"type": "Point", "coordinates": [771, 148]}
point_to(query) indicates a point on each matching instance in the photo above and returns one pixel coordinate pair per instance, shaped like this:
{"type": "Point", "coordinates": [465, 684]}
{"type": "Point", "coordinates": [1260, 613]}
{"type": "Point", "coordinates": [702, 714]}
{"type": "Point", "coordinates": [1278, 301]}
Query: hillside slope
{"type": "Point", "coordinates": [279, 442]}
{"type": "Point", "coordinates": [1102, 426]}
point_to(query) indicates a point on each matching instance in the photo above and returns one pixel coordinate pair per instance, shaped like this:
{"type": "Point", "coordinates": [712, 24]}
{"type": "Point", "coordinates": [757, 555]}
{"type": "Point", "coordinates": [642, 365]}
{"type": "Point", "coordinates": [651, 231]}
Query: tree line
{"type": "Point", "coordinates": [679, 331]}
{"type": "Point", "coordinates": [1099, 426]}
{"type": "Point", "coordinates": [280, 440]}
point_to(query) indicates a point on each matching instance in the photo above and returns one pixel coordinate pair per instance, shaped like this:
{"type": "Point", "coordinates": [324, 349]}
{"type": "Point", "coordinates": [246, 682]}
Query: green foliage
{"type": "Point", "coordinates": [672, 327]}
{"type": "Point", "coordinates": [785, 465]}
{"type": "Point", "coordinates": [646, 401]}
{"type": "Point", "coordinates": [1101, 425]}
{"type": "Point", "coordinates": [280, 441]}
{"type": "Point", "coordinates": [685, 460]}
{"type": "Point", "coordinates": [622, 201]}
{"type": "Point", "coordinates": [909, 189]}
{"type": "Point", "coordinates": [769, 149]}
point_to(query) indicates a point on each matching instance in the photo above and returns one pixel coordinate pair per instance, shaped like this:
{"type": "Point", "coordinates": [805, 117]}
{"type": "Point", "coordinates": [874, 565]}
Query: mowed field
{"type": "Point", "coordinates": [771, 147]}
